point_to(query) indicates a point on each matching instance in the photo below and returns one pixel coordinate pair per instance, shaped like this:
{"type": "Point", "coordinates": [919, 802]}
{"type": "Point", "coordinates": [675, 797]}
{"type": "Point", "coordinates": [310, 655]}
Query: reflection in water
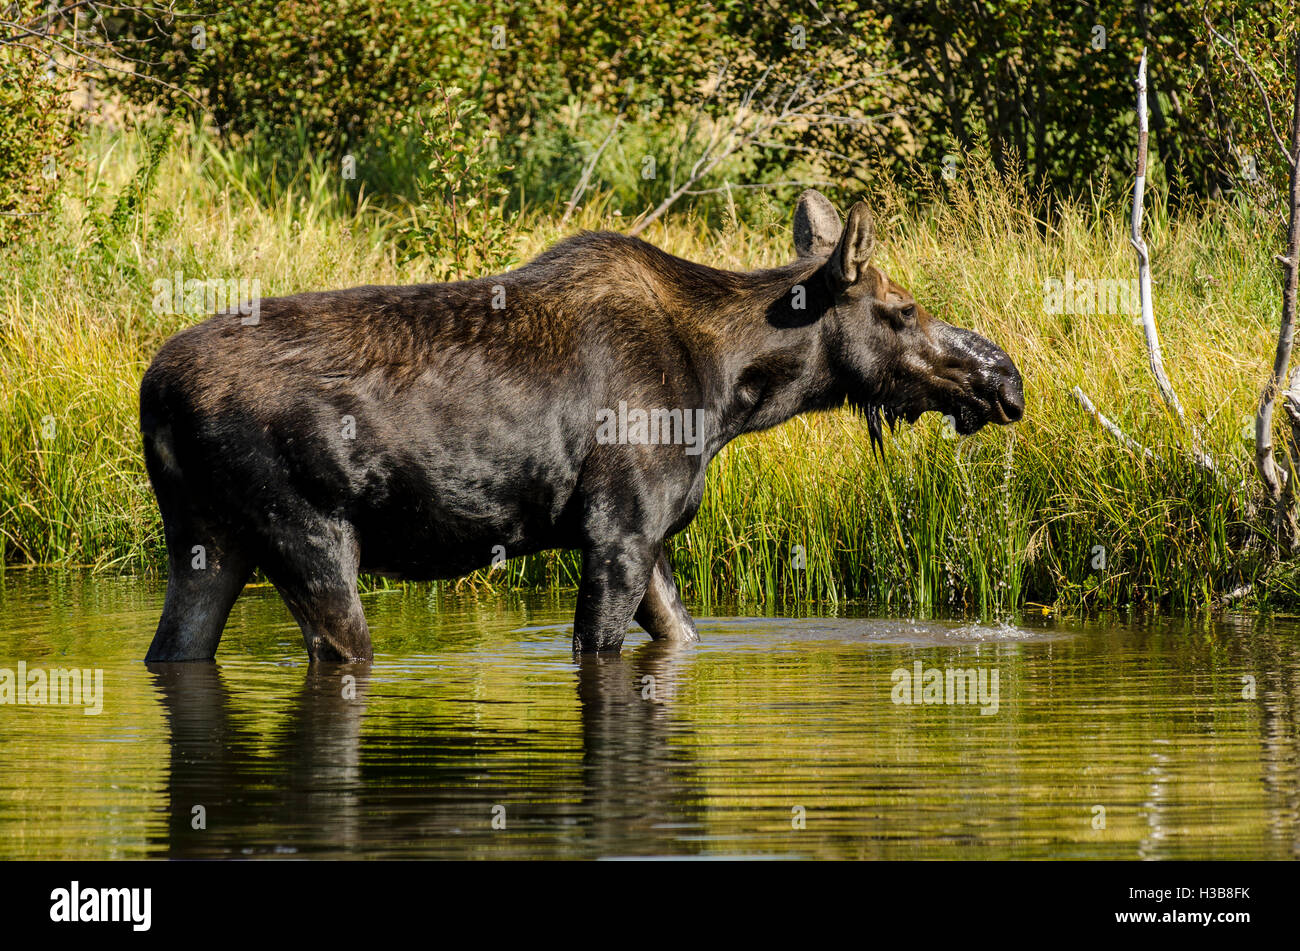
{"type": "Point", "coordinates": [1277, 689]}
{"type": "Point", "coordinates": [221, 784]}
{"type": "Point", "coordinates": [307, 790]}
{"type": "Point", "coordinates": [635, 783]}
{"type": "Point", "coordinates": [477, 734]}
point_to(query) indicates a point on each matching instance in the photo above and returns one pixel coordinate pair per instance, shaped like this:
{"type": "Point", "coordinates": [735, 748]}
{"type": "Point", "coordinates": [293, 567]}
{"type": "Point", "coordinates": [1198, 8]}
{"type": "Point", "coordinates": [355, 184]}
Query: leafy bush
{"type": "Point", "coordinates": [459, 224]}
{"type": "Point", "coordinates": [334, 70]}
{"type": "Point", "coordinates": [35, 129]}
{"type": "Point", "coordinates": [1250, 73]}
{"type": "Point", "coordinates": [299, 75]}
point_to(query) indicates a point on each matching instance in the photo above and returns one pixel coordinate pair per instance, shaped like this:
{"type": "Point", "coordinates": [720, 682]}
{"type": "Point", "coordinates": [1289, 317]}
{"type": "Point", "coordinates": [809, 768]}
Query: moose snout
{"type": "Point", "coordinates": [989, 380]}
{"type": "Point", "coordinates": [994, 378]}
{"type": "Point", "coordinates": [1010, 390]}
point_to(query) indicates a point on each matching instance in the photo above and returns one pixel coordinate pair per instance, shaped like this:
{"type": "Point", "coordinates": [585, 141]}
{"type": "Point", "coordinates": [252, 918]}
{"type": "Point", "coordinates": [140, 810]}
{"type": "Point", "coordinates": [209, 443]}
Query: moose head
{"type": "Point", "coordinates": [894, 358]}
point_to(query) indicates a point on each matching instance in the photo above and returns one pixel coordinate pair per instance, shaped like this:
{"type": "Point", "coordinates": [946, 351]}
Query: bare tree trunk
{"type": "Point", "coordinates": [1154, 356]}
{"type": "Point", "coordinates": [1274, 479]}
{"type": "Point", "coordinates": [1144, 261]}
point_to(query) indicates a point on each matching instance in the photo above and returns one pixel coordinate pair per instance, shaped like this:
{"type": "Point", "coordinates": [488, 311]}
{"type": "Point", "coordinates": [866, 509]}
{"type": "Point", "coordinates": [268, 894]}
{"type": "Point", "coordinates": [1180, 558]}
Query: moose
{"type": "Point", "coordinates": [419, 431]}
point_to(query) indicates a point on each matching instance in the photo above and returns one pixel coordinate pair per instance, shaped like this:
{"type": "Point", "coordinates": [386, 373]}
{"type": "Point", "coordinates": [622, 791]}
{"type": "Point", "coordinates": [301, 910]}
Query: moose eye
{"type": "Point", "coordinates": [908, 314]}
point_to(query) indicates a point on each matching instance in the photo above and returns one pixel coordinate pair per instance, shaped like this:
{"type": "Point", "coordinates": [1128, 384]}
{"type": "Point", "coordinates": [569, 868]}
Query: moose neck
{"type": "Point", "coordinates": [771, 352]}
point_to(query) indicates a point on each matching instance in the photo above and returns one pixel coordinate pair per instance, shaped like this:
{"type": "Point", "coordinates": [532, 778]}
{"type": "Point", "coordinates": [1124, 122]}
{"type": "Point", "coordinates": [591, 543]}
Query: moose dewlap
{"type": "Point", "coordinates": [422, 431]}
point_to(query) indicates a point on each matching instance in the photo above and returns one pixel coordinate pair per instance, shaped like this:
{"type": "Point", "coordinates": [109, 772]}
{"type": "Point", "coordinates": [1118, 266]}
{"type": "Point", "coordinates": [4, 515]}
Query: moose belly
{"type": "Point", "coordinates": [429, 524]}
{"type": "Point", "coordinates": [443, 501]}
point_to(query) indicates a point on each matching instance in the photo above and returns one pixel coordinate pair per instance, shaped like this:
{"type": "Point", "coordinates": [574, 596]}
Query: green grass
{"type": "Point", "coordinates": [1010, 517]}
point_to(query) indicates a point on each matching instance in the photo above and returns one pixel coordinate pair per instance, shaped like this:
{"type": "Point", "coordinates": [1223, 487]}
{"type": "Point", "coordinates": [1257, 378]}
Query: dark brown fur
{"type": "Point", "coordinates": [475, 425]}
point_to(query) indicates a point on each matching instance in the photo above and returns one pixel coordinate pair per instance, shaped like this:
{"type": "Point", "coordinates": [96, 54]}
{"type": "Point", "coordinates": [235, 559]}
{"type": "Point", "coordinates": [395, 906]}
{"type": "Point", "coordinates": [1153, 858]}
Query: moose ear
{"type": "Point", "coordinates": [816, 224]}
{"type": "Point", "coordinates": [849, 259]}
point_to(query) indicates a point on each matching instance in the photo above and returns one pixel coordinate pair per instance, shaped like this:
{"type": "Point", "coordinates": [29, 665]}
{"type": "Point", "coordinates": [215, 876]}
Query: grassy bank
{"type": "Point", "coordinates": [1050, 511]}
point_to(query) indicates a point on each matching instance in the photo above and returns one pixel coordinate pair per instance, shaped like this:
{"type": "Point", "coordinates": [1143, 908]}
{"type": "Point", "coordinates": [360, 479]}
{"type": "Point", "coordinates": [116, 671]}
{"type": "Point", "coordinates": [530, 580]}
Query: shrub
{"type": "Point", "coordinates": [459, 224]}
{"type": "Point", "coordinates": [35, 129]}
{"type": "Point", "coordinates": [333, 70]}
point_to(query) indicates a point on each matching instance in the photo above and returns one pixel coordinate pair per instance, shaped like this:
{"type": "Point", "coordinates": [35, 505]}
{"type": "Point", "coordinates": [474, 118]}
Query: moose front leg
{"type": "Point", "coordinates": [661, 612]}
{"type": "Point", "coordinates": [614, 580]}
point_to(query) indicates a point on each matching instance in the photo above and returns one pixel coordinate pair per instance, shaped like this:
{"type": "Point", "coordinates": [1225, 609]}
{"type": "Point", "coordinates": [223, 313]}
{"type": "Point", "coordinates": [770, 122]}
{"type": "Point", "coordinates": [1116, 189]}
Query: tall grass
{"type": "Point", "coordinates": [1051, 511]}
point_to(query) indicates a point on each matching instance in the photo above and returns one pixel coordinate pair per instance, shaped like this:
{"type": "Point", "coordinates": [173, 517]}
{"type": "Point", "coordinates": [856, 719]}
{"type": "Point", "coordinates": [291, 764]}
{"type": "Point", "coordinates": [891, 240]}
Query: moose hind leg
{"type": "Point", "coordinates": [315, 571]}
{"type": "Point", "coordinates": [661, 611]}
{"type": "Point", "coordinates": [204, 579]}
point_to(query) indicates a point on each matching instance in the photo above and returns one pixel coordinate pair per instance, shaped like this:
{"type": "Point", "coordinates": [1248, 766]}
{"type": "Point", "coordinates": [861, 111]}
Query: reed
{"type": "Point", "coordinates": [1049, 512]}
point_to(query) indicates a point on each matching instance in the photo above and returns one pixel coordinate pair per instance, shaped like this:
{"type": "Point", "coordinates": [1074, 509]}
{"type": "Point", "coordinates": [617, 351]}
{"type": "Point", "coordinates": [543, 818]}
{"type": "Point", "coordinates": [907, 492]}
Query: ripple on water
{"type": "Point", "coordinates": [776, 737]}
{"type": "Point", "coordinates": [766, 633]}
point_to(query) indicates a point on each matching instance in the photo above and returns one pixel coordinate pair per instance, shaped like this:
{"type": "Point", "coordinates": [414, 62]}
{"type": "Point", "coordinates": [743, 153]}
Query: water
{"type": "Point", "coordinates": [776, 737]}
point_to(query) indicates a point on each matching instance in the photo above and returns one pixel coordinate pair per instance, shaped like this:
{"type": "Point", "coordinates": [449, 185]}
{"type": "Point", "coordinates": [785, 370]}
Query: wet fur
{"type": "Point", "coordinates": [475, 428]}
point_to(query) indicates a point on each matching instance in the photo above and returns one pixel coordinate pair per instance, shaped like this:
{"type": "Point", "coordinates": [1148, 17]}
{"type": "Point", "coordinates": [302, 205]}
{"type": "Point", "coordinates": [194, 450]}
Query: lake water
{"type": "Point", "coordinates": [476, 734]}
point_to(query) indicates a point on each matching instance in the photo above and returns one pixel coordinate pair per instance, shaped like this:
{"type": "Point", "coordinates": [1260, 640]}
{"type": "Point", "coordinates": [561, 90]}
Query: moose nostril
{"type": "Point", "coordinates": [1012, 398]}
